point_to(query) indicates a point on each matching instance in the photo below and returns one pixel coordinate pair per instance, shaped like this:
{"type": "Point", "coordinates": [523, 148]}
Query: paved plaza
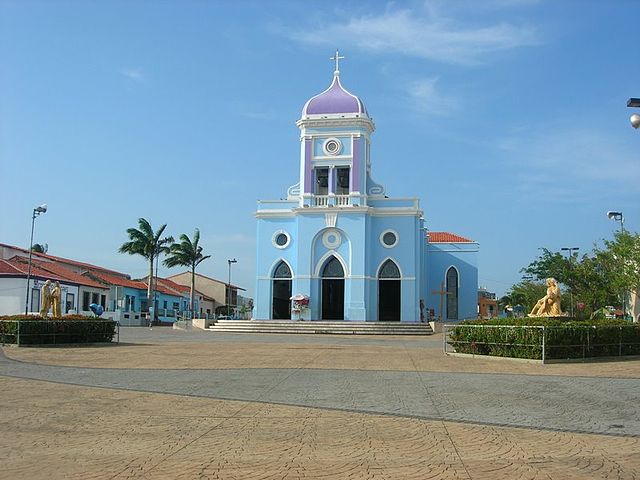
{"type": "Point", "coordinates": [172, 404]}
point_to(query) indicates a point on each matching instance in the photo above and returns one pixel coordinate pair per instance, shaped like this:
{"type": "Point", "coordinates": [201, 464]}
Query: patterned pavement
{"type": "Point", "coordinates": [309, 422]}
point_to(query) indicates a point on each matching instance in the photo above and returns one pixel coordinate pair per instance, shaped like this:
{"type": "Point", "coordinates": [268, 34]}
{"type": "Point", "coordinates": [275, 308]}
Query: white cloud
{"type": "Point", "coordinates": [568, 162]}
{"type": "Point", "coordinates": [135, 74]}
{"type": "Point", "coordinates": [426, 97]}
{"type": "Point", "coordinates": [423, 34]}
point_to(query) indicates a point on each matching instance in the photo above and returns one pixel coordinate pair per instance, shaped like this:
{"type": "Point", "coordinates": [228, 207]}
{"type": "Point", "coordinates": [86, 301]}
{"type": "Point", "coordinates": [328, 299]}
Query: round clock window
{"type": "Point", "coordinates": [331, 239]}
{"type": "Point", "coordinates": [332, 146]}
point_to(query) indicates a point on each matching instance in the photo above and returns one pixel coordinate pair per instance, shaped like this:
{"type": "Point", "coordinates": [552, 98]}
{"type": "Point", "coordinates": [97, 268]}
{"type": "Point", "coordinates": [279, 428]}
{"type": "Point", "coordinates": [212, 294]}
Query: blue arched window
{"type": "Point", "coordinates": [281, 292]}
{"type": "Point", "coordinates": [333, 269]}
{"type": "Point", "coordinates": [452, 294]}
{"type": "Point", "coordinates": [389, 269]}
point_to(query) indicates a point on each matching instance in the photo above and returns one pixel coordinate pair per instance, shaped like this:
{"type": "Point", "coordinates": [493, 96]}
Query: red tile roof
{"type": "Point", "coordinates": [7, 269]}
{"type": "Point", "coordinates": [119, 280]}
{"type": "Point", "coordinates": [160, 287]}
{"type": "Point", "coordinates": [175, 286]}
{"type": "Point", "coordinates": [59, 269]}
{"type": "Point", "coordinates": [49, 270]}
{"type": "Point", "coordinates": [446, 237]}
{"type": "Point", "coordinates": [61, 259]}
{"type": "Point", "coordinates": [169, 287]}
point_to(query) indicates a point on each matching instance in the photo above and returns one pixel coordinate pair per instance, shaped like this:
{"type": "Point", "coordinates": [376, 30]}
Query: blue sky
{"type": "Point", "coordinates": [507, 118]}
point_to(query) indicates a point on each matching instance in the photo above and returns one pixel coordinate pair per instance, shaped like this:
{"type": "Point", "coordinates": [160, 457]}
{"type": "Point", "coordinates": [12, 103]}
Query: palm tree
{"type": "Point", "coordinates": [187, 253]}
{"type": "Point", "coordinates": [145, 242]}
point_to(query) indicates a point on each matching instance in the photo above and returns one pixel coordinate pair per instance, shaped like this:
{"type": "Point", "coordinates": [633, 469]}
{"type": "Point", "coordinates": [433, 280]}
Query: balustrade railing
{"type": "Point", "coordinates": [331, 200]}
{"type": "Point", "coordinates": [321, 200]}
{"type": "Point", "coordinates": [342, 200]}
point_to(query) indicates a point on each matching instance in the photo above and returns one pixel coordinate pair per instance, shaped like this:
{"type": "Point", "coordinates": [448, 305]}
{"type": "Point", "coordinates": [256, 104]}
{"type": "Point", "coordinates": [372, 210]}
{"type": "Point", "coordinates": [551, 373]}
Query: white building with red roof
{"type": "Point", "coordinates": [123, 298]}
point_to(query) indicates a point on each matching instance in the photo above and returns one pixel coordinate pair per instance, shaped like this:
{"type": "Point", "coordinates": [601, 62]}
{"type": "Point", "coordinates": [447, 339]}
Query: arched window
{"type": "Point", "coordinates": [333, 269]}
{"type": "Point", "coordinates": [281, 292]}
{"type": "Point", "coordinates": [282, 271]}
{"type": "Point", "coordinates": [452, 294]}
{"type": "Point", "coordinates": [389, 292]}
{"type": "Point", "coordinates": [389, 269]}
{"type": "Point", "coordinates": [332, 290]}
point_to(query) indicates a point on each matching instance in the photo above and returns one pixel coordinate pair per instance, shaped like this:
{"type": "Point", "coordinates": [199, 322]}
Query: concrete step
{"type": "Point", "coordinates": [321, 327]}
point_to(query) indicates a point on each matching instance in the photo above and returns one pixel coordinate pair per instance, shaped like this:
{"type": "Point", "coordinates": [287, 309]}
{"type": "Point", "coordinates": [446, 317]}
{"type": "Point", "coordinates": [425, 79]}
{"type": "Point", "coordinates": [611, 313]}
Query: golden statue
{"type": "Point", "coordinates": [56, 294]}
{"type": "Point", "coordinates": [549, 305]}
{"type": "Point", "coordinates": [45, 295]}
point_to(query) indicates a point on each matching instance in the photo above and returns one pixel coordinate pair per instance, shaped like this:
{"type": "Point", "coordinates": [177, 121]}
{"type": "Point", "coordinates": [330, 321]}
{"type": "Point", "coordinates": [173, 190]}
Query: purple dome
{"type": "Point", "coordinates": [334, 100]}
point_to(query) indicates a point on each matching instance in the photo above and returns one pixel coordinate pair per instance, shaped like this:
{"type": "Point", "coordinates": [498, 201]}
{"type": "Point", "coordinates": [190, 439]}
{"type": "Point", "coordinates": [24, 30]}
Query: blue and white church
{"type": "Point", "coordinates": [339, 248]}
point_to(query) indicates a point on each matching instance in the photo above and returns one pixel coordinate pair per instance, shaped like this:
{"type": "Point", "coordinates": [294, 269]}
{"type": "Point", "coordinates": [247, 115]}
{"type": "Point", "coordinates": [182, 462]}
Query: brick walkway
{"type": "Point", "coordinates": [309, 407]}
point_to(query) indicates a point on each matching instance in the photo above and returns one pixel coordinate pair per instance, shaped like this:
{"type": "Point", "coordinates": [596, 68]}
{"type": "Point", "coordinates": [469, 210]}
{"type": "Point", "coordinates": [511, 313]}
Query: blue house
{"type": "Point", "coordinates": [340, 248]}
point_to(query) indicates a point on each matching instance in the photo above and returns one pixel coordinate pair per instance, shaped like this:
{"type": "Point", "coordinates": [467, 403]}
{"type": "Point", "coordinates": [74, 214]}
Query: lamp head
{"type": "Point", "coordinates": [614, 215]}
{"type": "Point", "coordinates": [635, 120]}
{"type": "Point", "coordinates": [41, 209]}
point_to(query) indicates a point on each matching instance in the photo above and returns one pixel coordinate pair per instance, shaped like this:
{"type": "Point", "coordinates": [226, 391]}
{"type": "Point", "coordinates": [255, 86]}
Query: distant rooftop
{"type": "Point", "coordinates": [446, 237]}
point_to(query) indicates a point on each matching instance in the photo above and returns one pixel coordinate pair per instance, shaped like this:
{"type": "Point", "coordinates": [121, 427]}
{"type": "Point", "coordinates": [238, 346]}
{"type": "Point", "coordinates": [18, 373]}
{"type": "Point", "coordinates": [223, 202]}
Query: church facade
{"type": "Point", "coordinates": [339, 248]}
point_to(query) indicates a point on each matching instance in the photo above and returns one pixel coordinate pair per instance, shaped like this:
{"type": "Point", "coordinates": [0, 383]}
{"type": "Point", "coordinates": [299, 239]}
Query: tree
{"type": "Point", "coordinates": [593, 284]}
{"type": "Point", "coordinates": [624, 255]}
{"type": "Point", "coordinates": [525, 293]}
{"type": "Point", "coordinates": [622, 258]}
{"type": "Point", "coordinates": [187, 253]}
{"type": "Point", "coordinates": [591, 279]}
{"type": "Point", "coordinates": [553, 265]}
{"type": "Point", "coordinates": [145, 242]}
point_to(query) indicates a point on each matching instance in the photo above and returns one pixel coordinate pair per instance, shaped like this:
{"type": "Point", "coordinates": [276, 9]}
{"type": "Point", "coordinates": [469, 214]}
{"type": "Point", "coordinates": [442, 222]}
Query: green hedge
{"type": "Point", "coordinates": [34, 330]}
{"type": "Point", "coordinates": [563, 339]}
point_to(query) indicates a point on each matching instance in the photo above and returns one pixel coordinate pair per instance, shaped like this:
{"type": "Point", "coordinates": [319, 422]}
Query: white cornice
{"type": "Point", "coordinates": [346, 210]}
{"type": "Point", "coordinates": [342, 122]}
{"type": "Point", "coordinates": [274, 213]}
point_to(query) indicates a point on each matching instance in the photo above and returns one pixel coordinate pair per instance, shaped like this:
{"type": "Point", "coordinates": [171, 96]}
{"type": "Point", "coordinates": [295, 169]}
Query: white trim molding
{"type": "Point", "coordinates": [323, 259]}
{"type": "Point", "coordinates": [272, 269]}
{"type": "Point", "coordinates": [394, 261]}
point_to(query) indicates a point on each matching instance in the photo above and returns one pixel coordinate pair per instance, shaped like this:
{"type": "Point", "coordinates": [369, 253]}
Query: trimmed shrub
{"type": "Point", "coordinates": [563, 339]}
{"type": "Point", "coordinates": [497, 340]}
{"type": "Point", "coordinates": [33, 330]}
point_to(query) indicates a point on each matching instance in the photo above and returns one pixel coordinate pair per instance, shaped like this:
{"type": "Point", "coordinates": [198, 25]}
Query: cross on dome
{"type": "Point", "coordinates": [337, 58]}
{"type": "Point", "coordinates": [335, 99]}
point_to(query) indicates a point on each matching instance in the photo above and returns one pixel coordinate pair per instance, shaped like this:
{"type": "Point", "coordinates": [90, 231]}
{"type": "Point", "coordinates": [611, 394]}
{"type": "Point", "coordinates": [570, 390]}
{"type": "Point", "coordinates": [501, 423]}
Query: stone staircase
{"type": "Point", "coordinates": [320, 327]}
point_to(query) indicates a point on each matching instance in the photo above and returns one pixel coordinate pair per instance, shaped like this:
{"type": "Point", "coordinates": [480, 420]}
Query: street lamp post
{"type": "Point", "coordinates": [635, 118]}
{"type": "Point", "coordinates": [229, 285]}
{"type": "Point", "coordinates": [36, 212]}
{"type": "Point", "coordinates": [618, 217]}
{"type": "Point", "coordinates": [570, 251]}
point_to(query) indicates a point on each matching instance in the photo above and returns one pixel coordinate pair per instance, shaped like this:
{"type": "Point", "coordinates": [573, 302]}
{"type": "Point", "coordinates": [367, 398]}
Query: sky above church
{"type": "Point", "coordinates": [507, 118]}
